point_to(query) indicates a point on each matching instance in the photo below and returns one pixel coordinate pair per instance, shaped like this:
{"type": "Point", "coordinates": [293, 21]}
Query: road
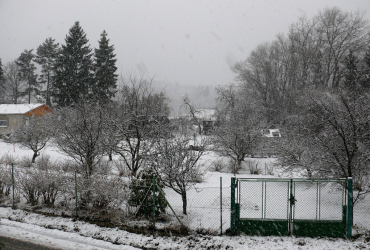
{"type": "Point", "coordinates": [15, 244]}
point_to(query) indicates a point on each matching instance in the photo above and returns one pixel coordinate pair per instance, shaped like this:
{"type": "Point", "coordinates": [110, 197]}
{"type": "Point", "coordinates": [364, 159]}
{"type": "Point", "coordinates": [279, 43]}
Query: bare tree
{"type": "Point", "coordinates": [312, 55]}
{"type": "Point", "coordinates": [14, 86]}
{"type": "Point", "coordinates": [342, 136]}
{"type": "Point", "coordinates": [333, 139]}
{"type": "Point", "coordinates": [33, 133]}
{"type": "Point", "coordinates": [241, 122]}
{"type": "Point", "coordinates": [192, 111]}
{"type": "Point", "coordinates": [136, 122]}
{"type": "Point", "coordinates": [177, 165]}
{"type": "Point", "coordinates": [80, 134]}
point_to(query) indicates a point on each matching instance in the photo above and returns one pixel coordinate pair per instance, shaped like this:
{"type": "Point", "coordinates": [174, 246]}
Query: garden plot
{"type": "Point", "coordinates": [204, 201]}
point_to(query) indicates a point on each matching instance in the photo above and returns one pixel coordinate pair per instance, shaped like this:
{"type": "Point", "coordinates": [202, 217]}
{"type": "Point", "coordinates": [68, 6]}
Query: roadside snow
{"type": "Point", "coordinates": [65, 234]}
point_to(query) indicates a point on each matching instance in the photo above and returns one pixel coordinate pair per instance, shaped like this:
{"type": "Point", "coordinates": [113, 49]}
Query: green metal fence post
{"type": "Point", "coordinates": [221, 204]}
{"type": "Point", "coordinates": [13, 184]}
{"type": "Point", "coordinates": [153, 202]}
{"type": "Point", "coordinates": [76, 193]}
{"type": "Point", "coordinates": [233, 210]}
{"type": "Point", "coordinates": [350, 207]}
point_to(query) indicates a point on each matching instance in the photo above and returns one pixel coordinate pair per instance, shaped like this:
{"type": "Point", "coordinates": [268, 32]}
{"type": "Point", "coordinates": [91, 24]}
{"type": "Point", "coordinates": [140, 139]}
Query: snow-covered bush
{"type": "Point", "coordinates": [218, 165]}
{"type": "Point", "coordinates": [253, 167]}
{"type": "Point", "coordinates": [8, 159]}
{"type": "Point", "coordinates": [28, 184]}
{"type": "Point", "coordinates": [5, 180]}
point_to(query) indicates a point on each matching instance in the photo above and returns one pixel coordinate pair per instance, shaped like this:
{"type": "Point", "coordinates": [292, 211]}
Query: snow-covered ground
{"type": "Point", "coordinates": [64, 233]}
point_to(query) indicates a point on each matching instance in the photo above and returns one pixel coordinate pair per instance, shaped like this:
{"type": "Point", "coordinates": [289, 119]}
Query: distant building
{"type": "Point", "coordinates": [13, 114]}
{"type": "Point", "coordinates": [208, 118]}
{"type": "Point", "coordinates": [271, 133]}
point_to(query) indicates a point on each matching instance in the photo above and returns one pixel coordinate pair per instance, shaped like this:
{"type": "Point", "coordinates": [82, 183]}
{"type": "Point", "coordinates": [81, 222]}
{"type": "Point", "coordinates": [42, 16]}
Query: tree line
{"type": "Point", "coordinates": [68, 72]}
{"type": "Point", "coordinates": [312, 83]}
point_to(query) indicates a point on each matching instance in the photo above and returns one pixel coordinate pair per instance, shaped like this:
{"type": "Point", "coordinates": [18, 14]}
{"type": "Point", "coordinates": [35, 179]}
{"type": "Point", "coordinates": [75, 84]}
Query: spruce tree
{"type": "Point", "coordinates": [351, 73]}
{"type": "Point", "coordinates": [105, 68]}
{"type": "Point", "coordinates": [1, 71]}
{"type": "Point", "coordinates": [47, 54]}
{"type": "Point", "coordinates": [74, 76]}
{"type": "Point", "coordinates": [27, 72]}
{"type": "Point", "coordinates": [2, 83]}
{"type": "Point", "coordinates": [366, 71]}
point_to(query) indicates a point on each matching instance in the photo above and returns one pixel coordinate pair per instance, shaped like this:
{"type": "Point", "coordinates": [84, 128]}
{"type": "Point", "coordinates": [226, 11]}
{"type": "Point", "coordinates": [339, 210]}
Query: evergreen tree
{"type": "Point", "coordinates": [27, 72]}
{"type": "Point", "coordinates": [73, 76]}
{"type": "Point", "coordinates": [105, 68]}
{"type": "Point", "coordinates": [366, 72]}
{"type": "Point", "coordinates": [351, 75]}
{"type": "Point", "coordinates": [1, 72]}
{"type": "Point", "coordinates": [47, 54]}
{"type": "Point", "coordinates": [2, 83]}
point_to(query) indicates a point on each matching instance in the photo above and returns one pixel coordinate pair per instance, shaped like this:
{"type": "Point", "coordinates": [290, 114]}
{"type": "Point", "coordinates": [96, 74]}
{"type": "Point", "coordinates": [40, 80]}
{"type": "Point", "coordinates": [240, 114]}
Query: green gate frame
{"type": "Point", "coordinates": [291, 226]}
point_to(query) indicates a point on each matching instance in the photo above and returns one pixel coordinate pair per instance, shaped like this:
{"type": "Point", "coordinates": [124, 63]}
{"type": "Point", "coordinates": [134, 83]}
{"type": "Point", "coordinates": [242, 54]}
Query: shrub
{"type": "Point", "coordinates": [29, 185]}
{"type": "Point", "coordinates": [253, 167]}
{"type": "Point", "coordinates": [5, 180]}
{"type": "Point", "coordinates": [8, 159]}
{"type": "Point", "coordinates": [50, 186]}
{"type": "Point", "coordinates": [218, 165]}
{"type": "Point", "coordinates": [233, 166]}
{"type": "Point", "coordinates": [25, 162]}
{"type": "Point", "coordinates": [121, 168]}
{"type": "Point", "coordinates": [43, 162]}
{"type": "Point", "coordinates": [104, 167]}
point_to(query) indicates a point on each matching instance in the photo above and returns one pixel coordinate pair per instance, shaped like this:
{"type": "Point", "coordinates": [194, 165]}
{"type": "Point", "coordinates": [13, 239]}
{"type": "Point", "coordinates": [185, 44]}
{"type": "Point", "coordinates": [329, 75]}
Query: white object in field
{"type": "Point", "coordinates": [271, 133]}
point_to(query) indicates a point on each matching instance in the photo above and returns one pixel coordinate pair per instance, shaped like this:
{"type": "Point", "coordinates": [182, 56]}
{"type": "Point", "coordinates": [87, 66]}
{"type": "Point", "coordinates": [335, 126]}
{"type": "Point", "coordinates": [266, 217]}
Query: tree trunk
{"type": "Point", "coordinates": [184, 202]}
{"type": "Point", "coordinates": [48, 102]}
{"type": "Point", "coordinates": [35, 154]}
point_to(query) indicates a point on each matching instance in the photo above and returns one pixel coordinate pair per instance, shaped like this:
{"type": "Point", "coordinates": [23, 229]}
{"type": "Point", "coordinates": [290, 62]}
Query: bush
{"type": "Point", "coordinates": [253, 167]}
{"type": "Point", "coordinates": [5, 180]}
{"type": "Point", "coordinates": [233, 166]}
{"type": "Point", "coordinates": [104, 167]}
{"type": "Point", "coordinates": [43, 162]}
{"type": "Point", "coordinates": [25, 162]}
{"type": "Point", "coordinates": [50, 186]}
{"type": "Point", "coordinates": [218, 165]}
{"type": "Point", "coordinates": [29, 185]}
{"type": "Point", "coordinates": [8, 159]}
{"type": "Point", "coordinates": [141, 195]}
{"type": "Point", "coordinates": [121, 168]}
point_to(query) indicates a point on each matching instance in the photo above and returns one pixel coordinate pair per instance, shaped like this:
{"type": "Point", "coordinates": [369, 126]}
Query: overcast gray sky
{"type": "Point", "coordinates": [178, 41]}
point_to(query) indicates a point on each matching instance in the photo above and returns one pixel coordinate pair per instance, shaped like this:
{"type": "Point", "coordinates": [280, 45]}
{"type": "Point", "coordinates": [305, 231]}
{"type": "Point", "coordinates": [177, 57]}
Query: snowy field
{"type": "Point", "coordinates": [203, 212]}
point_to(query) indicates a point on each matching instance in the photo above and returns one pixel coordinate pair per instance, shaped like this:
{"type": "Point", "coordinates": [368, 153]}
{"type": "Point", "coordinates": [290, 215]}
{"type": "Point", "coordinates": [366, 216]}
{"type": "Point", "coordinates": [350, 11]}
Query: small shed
{"type": "Point", "coordinates": [12, 114]}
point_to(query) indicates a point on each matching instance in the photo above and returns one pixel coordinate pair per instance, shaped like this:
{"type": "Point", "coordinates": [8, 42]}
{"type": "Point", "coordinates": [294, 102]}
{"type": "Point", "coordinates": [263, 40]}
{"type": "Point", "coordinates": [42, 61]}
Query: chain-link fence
{"type": "Point", "coordinates": [303, 207]}
{"type": "Point", "coordinates": [114, 198]}
{"type": "Point", "coordinates": [208, 209]}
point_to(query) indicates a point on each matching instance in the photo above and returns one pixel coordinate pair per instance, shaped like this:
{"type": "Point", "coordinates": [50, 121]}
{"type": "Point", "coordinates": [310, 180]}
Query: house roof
{"type": "Point", "coordinates": [205, 114]}
{"type": "Point", "coordinates": [18, 109]}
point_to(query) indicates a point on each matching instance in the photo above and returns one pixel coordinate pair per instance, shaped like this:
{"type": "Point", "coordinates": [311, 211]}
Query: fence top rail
{"type": "Point", "coordinates": [292, 179]}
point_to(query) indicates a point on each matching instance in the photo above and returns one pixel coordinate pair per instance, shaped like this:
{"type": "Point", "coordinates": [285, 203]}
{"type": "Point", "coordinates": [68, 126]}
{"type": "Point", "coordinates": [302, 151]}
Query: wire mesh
{"type": "Point", "coordinates": [361, 214]}
{"type": "Point", "coordinates": [310, 200]}
{"type": "Point", "coordinates": [269, 200]}
{"type": "Point", "coordinates": [319, 200]}
{"type": "Point", "coordinates": [264, 199]}
{"type": "Point", "coordinates": [205, 209]}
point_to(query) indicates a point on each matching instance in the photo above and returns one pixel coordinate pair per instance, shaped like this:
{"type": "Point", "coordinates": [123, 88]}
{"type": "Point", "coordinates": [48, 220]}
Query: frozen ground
{"type": "Point", "coordinates": [63, 233]}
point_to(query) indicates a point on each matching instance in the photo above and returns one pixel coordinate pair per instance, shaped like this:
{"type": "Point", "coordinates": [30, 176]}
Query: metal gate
{"type": "Point", "coordinates": [300, 207]}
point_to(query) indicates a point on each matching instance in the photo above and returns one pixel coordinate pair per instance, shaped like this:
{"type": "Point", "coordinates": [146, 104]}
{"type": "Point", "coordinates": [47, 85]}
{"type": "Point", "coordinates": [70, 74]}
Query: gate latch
{"type": "Point", "coordinates": [292, 200]}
